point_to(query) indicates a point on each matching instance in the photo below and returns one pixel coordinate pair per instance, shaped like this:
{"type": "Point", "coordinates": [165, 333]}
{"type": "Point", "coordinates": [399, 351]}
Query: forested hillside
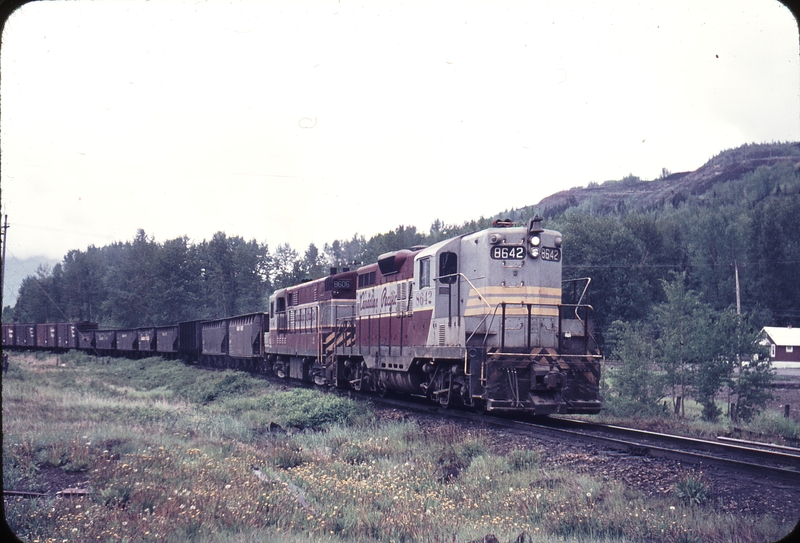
{"type": "Point", "coordinates": [740, 210]}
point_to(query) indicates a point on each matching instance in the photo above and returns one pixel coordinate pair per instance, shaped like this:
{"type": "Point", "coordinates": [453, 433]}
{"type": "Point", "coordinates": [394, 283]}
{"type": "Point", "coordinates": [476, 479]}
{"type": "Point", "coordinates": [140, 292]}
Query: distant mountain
{"type": "Point", "coordinates": [16, 270]}
{"type": "Point", "coordinates": [633, 194]}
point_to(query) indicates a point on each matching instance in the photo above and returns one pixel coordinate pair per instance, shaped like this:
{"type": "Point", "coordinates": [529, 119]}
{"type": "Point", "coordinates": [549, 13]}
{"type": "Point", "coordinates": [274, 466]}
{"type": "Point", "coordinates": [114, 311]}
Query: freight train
{"type": "Point", "coordinates": [480, 320]}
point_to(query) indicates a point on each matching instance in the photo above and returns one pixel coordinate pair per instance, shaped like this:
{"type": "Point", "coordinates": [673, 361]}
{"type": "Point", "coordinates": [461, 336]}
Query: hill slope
{"type": "Point", "coordinates": [633, 194]}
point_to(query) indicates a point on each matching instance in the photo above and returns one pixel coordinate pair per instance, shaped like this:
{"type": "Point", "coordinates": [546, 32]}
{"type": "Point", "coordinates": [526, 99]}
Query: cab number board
{"type": "Point", "coordinates": [508, 252]}
{"type": "Point", "coordinates": [548, 253]}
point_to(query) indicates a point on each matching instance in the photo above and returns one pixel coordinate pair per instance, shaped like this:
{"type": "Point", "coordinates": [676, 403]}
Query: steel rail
{"type": "Point", "coordinates": [714, 446]}
{"type": "Point", "coordinates": [759, 444]}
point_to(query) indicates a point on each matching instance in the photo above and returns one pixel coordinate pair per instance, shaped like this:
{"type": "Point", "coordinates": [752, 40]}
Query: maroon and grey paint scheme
{"type": "Point", "coordinates": [476, 320]}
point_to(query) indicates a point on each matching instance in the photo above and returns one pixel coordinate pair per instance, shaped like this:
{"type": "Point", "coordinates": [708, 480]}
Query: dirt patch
{"type": "Point", "coordinates": [49, 480]}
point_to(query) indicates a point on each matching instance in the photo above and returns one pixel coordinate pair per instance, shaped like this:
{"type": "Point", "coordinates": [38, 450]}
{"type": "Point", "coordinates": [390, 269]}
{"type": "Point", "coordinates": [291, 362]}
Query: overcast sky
{"type": "Point", "coordinates": [309, 121]}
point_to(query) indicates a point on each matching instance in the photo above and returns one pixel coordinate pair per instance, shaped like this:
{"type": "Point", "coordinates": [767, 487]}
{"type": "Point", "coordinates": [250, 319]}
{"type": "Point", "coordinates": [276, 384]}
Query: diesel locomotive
{"type": "Point", "coordinates": [482, 320]}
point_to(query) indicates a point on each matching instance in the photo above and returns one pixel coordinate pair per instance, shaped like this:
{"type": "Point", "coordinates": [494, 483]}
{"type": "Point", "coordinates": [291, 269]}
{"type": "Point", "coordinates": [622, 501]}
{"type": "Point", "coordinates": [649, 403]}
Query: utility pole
{"type": "Point", "coordinates": [731, 406]}
{"type": "Point", "coordinates": [3, 263]}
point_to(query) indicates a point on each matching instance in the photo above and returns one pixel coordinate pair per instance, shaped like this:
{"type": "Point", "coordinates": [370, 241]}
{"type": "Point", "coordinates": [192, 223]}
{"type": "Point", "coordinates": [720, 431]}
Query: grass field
{"type": "Point", "coordinates": [172, 453]}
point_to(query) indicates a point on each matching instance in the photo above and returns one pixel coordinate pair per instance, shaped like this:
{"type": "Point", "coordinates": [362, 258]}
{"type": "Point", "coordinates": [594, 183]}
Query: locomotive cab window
{"type": "Point", "coordinates": [281, 305]}
{"type": "Point", "coordinates": [425, 273]}
{"type": "Point", "coordinates": [448, 268]}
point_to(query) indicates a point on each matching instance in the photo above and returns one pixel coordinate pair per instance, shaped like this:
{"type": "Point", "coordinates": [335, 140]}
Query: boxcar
{"type": "Point", "coordinates": [8, 335]}
{"type": "Point", "coordinates": [25, 335]}
{"type": "Point", "coordinates": [47, 336]}
{"type": "Point", "coordinates": [67, 335]}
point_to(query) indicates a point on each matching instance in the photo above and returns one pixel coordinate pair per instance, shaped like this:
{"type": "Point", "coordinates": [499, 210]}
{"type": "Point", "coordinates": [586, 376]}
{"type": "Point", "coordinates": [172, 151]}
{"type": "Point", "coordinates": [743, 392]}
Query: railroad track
{"type": "Point", "coordinates": [761, 458]}
{"type": "Point", "coordinates": [771, 462]}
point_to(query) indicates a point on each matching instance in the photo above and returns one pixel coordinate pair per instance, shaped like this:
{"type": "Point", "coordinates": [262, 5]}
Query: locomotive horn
{"type": "Point", "coordinates": [535, 225]}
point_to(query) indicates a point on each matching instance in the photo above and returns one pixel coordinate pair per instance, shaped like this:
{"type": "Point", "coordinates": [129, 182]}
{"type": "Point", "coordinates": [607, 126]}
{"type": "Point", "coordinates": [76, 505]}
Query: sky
{"type": "Point", "coordinates": [309, 121]}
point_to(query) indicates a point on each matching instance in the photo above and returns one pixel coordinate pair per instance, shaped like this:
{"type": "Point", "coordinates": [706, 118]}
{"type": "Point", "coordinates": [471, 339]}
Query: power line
{"type": "Point", "coordinates": [679, 266]}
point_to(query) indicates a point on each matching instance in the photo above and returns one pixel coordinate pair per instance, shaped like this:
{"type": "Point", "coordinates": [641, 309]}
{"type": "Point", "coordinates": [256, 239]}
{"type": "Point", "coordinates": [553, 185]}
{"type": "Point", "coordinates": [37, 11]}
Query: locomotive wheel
{"type": "Point", "coordinates": [479, 406]}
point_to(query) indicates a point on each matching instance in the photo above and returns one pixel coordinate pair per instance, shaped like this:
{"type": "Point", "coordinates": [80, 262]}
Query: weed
{"type": "Point", "coordinates": [772, 423]}
{"type": "Point", "coordinates": [692, 489]}
{"type": "Point", "coordinates": [115, 495]}
{"type": "Point", "coordinates": [286, 455]}
{"type": "Point", "coordinates": [308, 409]}
{"type": "Point", "coordinates": [523, 459]}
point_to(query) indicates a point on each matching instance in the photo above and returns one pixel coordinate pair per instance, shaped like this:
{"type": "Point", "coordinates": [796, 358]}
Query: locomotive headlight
{"type": "Point", "coordinates": [534, 252]}
{"type": "Point", "coordinates": [535, 241]}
